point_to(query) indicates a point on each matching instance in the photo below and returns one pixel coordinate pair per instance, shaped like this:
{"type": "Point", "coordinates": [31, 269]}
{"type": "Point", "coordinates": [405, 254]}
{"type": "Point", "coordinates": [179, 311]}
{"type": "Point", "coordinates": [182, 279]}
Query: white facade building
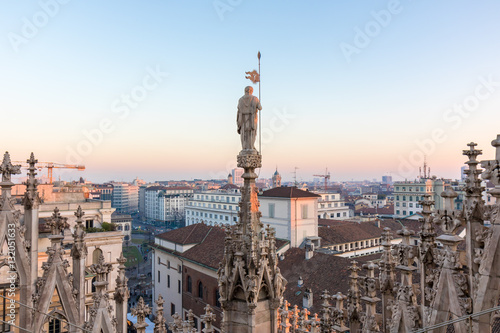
{"type": "Point", "coordinates": [293, 213]}
{"type": "Point", "coordinates": [218, 206]}
{"type": "Point", "coordinates": [125, 198]}
{"type": "Point", "coordinates": [166, 203]}
{"type": "Point", "coordinates": [407, 195]}
{"type": "Point", "coordinates": [167, 270]}
{"type": "Point", "coordinates": [236, 173]}
{"type": "Point", "coordinates": [374, 200]}
{"type": "Point", "coordinates": [332, 206]}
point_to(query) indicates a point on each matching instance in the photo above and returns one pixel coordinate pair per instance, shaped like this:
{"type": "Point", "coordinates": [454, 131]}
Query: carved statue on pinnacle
{"type": "Point", "coordinates": [248, 107]}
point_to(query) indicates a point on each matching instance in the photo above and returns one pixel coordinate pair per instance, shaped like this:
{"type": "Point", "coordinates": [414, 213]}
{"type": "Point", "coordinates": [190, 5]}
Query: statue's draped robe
{"type": "Point", "coordinates": [247, 120]}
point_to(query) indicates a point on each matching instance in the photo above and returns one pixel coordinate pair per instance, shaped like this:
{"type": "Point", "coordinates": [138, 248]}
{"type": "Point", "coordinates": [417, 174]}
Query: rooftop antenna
{"type": "Point", "coordinates": [295, 176]}
{"type": "Point", "coordinates": [425, 167]}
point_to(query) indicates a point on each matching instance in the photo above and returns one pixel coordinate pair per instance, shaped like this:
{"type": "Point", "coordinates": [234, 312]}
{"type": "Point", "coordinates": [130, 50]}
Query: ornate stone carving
{"type": "Point", "coordinates": [31, 198]}
{"type": "Point", "coordinates": [252, 161]}
{"type": "Point", "coordinates": [7, 169]}
{"type": "Point", "coordinates": [159, 320]}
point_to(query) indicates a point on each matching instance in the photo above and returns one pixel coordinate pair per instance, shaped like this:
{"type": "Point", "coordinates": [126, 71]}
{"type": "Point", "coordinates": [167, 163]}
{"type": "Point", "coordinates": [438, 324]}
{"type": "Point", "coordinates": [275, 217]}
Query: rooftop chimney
{"type": "Point", "coordinates": [309, 250]}
{"type": "Point", "coordinates": [307, 299]}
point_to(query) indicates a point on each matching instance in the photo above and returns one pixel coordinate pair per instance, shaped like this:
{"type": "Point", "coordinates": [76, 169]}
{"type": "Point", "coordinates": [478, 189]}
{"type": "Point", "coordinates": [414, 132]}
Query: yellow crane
{"type": "Point", "coordinates": [50, 166]}
{"type": "Point", "coordinates": [326, 176]}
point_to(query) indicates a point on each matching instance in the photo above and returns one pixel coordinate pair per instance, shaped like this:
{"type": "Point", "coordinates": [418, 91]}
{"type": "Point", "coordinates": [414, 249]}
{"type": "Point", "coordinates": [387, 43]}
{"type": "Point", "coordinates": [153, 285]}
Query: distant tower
{"type": "Point", "coordinates": [276, 179]}
{"type": "Point", "coordinates": [230, 179]}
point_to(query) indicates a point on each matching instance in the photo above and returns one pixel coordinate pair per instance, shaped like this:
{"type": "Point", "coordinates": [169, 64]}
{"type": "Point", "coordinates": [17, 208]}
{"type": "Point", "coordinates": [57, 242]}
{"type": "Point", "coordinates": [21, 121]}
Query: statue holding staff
{"type": "Point", "coordinates": [247, 118]}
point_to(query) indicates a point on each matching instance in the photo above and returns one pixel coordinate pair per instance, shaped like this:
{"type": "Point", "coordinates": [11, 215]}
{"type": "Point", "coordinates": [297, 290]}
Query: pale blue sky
{"type": "Point", "coordinates": [361, 118]}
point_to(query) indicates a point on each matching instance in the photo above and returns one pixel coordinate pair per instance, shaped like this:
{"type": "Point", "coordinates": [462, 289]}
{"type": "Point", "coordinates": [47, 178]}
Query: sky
{"type": "Point", "coordinates": [149, 89]}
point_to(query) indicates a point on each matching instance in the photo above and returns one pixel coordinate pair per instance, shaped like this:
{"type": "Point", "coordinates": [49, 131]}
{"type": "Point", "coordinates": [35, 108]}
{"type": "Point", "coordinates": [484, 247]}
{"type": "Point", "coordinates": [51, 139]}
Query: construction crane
{"type": "Point", "coordinates": [326, 176]}
{"type": "Point", "coordinates": [50, 166]}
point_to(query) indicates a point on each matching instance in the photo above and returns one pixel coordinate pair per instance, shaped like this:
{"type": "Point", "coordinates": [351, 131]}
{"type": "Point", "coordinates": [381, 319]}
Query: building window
{"type": "Point", "coordinates": [179, 286]}
{"type": "Point", "coordinates": [89, 224]}
{"type": "Point", "coordinates": [200, 290]}
{"type": "Point", "coordinates": [304, 211]}
{"type": "Point", "coordinates": [168, 264]}
{"type": "Point", "coordinates": [172, 309]}
{"type": "Point", "coordinates": [159, 261]}
{"type": "Point", "coordinates": [54, 325]}
{"type": "Point", "coordinates": [158, 276]}
{"type": "Point", "coordinates": [397, 212]}
{"type": "Point", "coordinates": [271, 210]}
{"type": "Point", "coordinates": [95, 255]}
{"type": "Point", "coordinates": [179, 269]}
{"type": "Point", "coordinates": [189, 284]}
{"type": "Point", "coordinates": [168, 281]}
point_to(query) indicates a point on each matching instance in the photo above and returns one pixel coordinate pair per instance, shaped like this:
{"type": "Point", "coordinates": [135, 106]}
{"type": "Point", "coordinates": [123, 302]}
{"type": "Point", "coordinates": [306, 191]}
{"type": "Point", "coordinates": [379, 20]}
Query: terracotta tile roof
{"type": "Point", "coordinates": [328, 222]}
{"type": "Point", "coordinates": [348, 232]}
{"type": "Point", "coordinates": [229, 187]}
{"type": "Point", "coordinates": [387, 210]}
{"type": "Point", "coordinates": [191, 234]}
{"type": "Point", "coordinates": [167, 188]}
{"type": "Point", "coordinates": [289, 192]}
{"type": "Point", "coordinates": [395, 226]}
{"type": "Point", "coordinates": [339, 232]}
{"type": "Point", "coordinates": [210, 248]}
{"type": "Point", "coordinates": [210, 251]}
{"type": "Point", "coordinates": [322, 271]}
{"type": "Point", "coordinates": [156, 188]}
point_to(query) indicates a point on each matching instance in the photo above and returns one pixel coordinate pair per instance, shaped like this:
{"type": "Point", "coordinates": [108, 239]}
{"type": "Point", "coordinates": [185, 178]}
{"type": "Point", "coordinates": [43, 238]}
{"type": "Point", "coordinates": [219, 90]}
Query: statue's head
{"type": "Point", "coordinates": [248, 90]}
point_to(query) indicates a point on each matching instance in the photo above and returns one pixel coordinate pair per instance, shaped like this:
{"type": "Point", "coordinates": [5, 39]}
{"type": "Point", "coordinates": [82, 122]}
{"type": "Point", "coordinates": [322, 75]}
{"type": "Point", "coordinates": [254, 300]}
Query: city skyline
{"type": "Point", "coordinates": [150, 90]}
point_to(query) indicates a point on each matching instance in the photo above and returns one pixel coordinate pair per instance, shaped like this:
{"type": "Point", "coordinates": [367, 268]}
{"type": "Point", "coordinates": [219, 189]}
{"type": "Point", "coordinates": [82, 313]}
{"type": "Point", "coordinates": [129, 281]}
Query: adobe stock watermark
{"type": "Point", "coordinates": [31, 26]}
{"type": "Point", "coordinates": [121, 108]}
{"type": "Point", "coordinates": [364, 36]}
{"type": "Point", "coordinates": [453, 118]}
{"type": "Point", "coordinates": [223, 6]}
{"type": "Point", "coordinates": [10, 310]}
{"type": "Point", "coordinates": [278, 122]}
